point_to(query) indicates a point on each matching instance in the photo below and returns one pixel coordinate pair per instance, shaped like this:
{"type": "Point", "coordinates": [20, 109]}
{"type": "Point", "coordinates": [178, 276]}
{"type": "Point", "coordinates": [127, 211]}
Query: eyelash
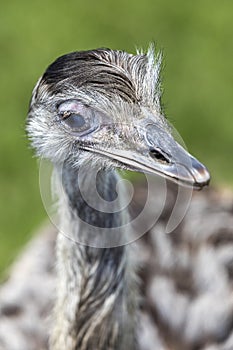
{"type": "Point", "coordinates": [65, 115]}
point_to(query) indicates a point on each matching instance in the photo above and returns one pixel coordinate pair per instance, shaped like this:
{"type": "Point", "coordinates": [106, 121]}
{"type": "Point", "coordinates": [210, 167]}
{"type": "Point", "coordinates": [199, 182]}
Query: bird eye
{"type": "Point", "coordinates": [74, 121]}
{"type": "Point", "coordinates": [76, 117]}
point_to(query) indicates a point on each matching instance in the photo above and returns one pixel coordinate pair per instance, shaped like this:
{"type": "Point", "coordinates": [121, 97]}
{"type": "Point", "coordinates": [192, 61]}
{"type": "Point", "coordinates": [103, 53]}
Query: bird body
{"type": "Point", "coordinates": [90, 113]}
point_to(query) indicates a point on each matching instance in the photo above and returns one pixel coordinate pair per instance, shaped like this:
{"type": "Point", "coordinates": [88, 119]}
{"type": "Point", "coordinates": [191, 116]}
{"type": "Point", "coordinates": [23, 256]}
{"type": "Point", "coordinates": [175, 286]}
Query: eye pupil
{"type": "Point", "coordinates": [75, 121]}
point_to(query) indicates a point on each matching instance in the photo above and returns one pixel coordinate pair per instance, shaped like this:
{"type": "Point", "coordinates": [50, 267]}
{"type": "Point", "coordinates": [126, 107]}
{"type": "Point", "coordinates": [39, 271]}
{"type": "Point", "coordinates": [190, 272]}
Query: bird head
{"type": "Point", "coordinates": [102, 108]}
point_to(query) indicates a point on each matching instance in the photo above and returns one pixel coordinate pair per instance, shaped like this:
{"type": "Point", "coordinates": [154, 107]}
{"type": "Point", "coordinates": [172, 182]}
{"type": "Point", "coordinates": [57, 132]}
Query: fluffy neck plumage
{"type": "Point", "coordinates": [96, 302]}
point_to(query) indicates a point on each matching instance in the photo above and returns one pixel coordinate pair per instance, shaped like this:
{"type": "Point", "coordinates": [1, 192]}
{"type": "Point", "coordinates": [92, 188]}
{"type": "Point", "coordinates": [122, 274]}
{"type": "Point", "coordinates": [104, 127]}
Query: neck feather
{"type": "Point", "coordinates": [96, 302]}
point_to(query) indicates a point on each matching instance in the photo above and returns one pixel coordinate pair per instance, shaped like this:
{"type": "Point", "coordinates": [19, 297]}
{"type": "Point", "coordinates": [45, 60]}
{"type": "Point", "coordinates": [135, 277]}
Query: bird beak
{"type": "Point", "coordinates": [167, 157]}
{"type": "Point", "coordinates": [159, 154]}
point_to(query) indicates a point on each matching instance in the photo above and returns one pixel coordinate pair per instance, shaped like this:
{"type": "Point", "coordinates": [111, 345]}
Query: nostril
{"type": "Point", "coordinates": [159, 155]}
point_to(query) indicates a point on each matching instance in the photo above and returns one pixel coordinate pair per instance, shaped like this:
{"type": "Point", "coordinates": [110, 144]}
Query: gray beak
{"type": "Point", "coordinates": [159, 154]}
{"type": "Point", "coordinates": [172, 160]}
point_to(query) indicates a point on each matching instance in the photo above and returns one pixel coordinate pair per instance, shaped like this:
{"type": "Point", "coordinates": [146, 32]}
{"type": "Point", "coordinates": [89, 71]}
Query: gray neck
{"type": "Point", "coordinates": [96, 301]}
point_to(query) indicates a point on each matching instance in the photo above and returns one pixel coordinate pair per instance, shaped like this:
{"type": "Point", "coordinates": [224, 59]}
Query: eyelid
{"type": "Point", "coordinates": [72, 106]}
{"type": "Point", "coordinates": [64, 108]}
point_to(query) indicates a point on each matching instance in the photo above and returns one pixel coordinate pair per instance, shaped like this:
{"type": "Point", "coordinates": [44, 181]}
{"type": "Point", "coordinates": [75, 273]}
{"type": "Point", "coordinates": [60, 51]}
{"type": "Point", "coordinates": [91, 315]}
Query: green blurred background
{"type": "Point", "coordinates": [197, 40]}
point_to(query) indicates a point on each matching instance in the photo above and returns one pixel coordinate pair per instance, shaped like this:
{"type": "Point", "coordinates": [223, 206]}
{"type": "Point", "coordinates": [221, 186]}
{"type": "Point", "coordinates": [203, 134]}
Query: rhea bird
{"type": "Point", "coordinates": [93, 112]}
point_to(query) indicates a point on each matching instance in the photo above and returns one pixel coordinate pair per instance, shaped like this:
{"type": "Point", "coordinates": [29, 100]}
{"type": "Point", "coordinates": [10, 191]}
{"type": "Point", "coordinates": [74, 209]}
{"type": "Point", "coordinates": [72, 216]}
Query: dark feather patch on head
{"type": "Point", "coordinates": [102, 70]}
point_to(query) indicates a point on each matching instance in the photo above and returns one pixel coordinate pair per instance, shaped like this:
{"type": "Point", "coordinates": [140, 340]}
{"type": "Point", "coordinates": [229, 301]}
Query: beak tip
{"type": "Point", "coordinates": [200, 185]}
{"type": "Point", "coordinates": [200, 174]}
